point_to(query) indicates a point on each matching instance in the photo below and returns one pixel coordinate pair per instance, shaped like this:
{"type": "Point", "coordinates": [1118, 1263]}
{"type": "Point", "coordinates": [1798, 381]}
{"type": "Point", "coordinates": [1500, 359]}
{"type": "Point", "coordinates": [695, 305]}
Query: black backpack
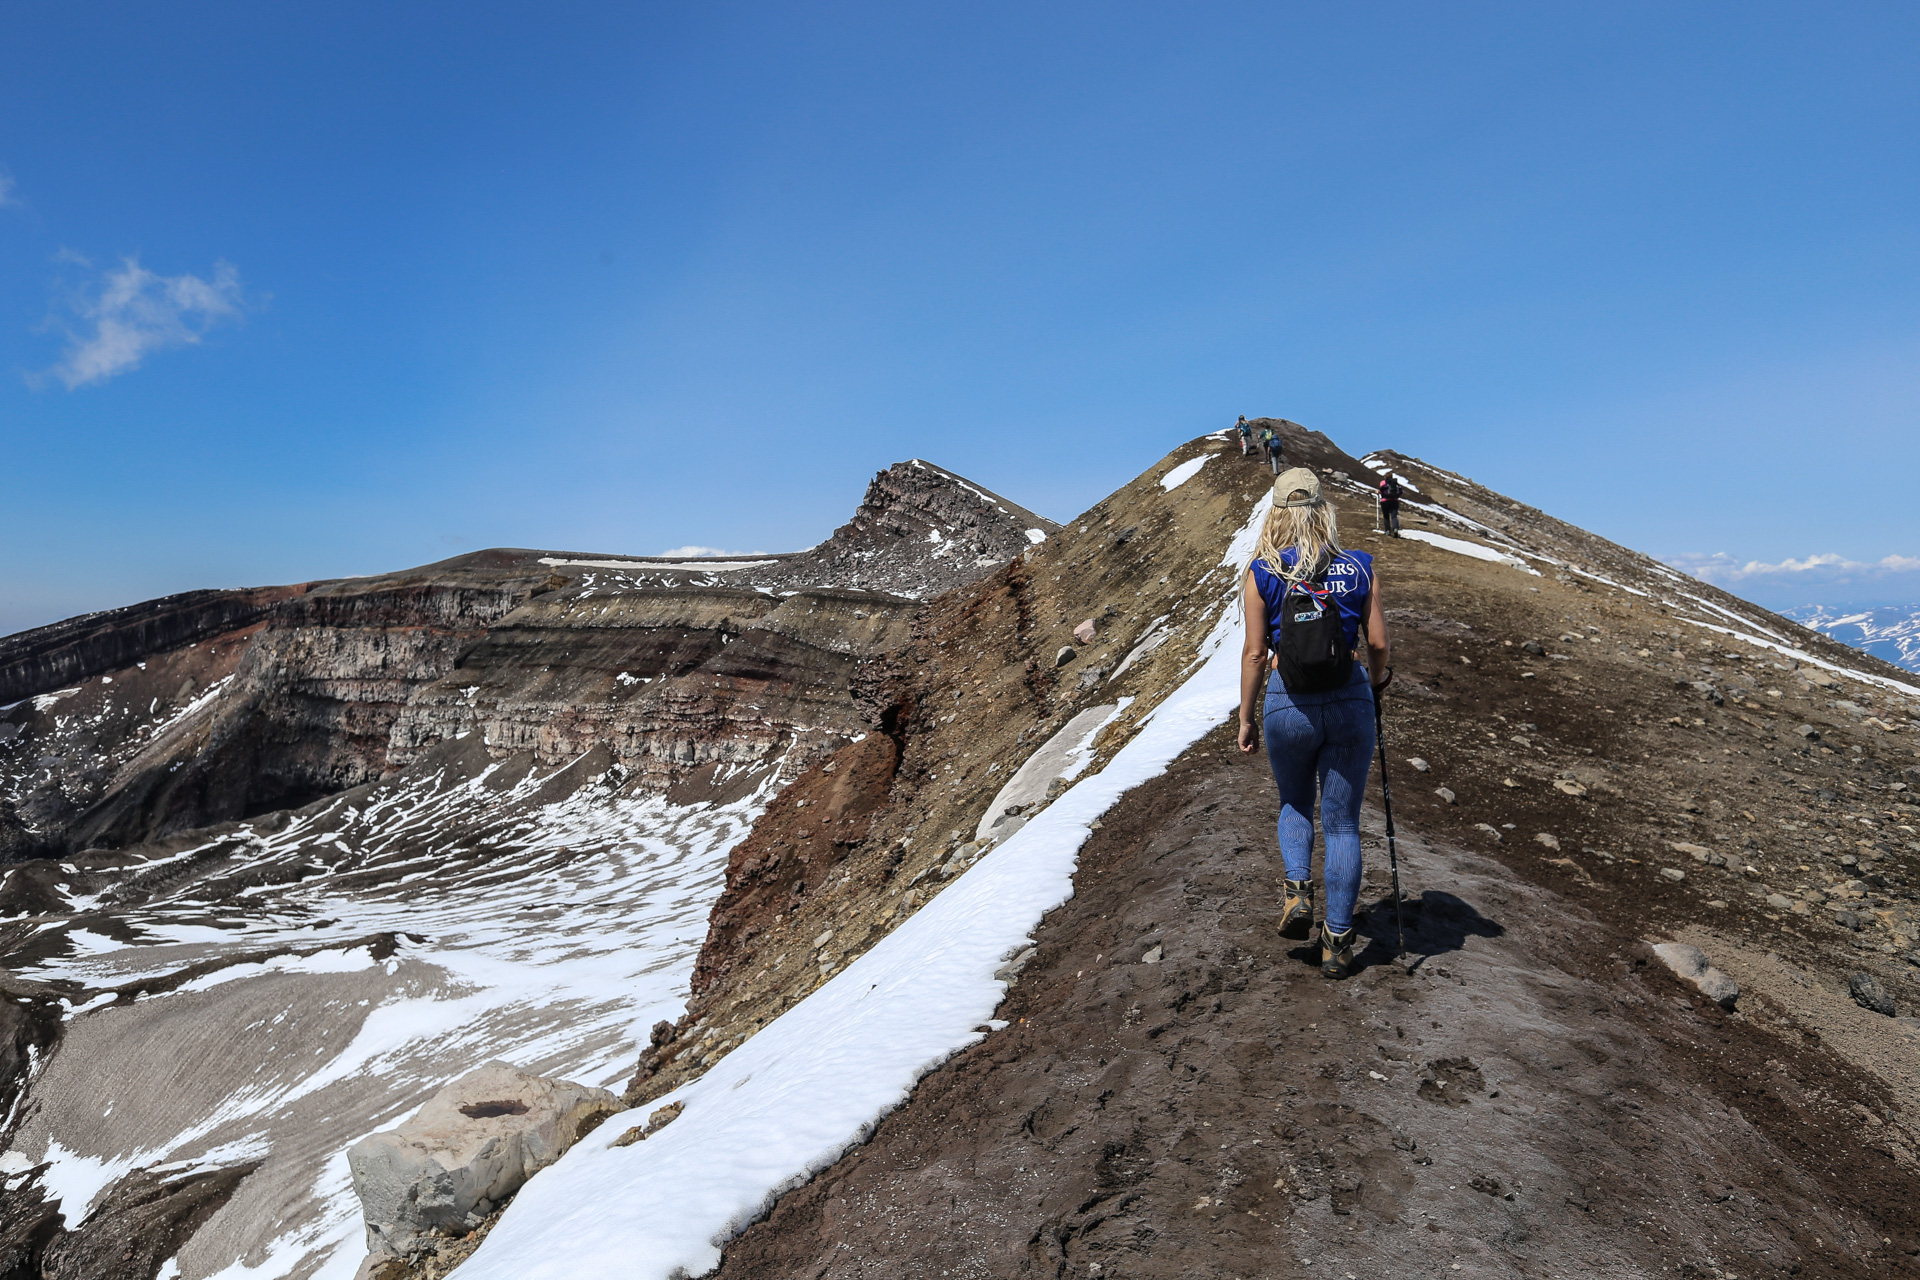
{"type": "Point", "coordinates": [1312, 651]}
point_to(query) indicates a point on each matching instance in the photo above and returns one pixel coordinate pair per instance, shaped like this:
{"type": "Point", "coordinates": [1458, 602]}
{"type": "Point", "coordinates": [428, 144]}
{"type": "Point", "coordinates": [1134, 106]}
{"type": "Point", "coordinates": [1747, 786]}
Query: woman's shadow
{"type": "Point", "coordinates": [1434, 924]}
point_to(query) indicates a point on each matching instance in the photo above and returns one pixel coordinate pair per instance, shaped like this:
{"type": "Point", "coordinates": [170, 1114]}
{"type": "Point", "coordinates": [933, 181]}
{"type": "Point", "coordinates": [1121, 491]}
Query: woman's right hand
{"type": "Point", "coordinates": [1249, 738]}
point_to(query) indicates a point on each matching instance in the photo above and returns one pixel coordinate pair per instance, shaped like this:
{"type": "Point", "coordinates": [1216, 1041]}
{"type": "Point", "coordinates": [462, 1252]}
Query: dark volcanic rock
{"type": "Point", "coordinates": [803, 835]}
{"type": "Point", "coordinates": [271, 716]}
{"type": "Point", "coordinates": [680, 684]}
{"type": "Point", "coordinates": [1869, 994]}
{"type": "Point", "coordinates": [140, 1222]}
{"type": "Point", "coordinates": [922, 529]}
{"type": "Point", "coordinates": [30, 1021]}
{"type": "Point", "coordinates": [28, 1223]}
{"type": "Point", "coordinates": [46, 658]}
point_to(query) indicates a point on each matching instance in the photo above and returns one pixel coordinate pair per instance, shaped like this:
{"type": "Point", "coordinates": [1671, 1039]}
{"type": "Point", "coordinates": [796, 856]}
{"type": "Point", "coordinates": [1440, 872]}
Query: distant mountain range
{"type": "Point", "coordinates": [1891, 632]}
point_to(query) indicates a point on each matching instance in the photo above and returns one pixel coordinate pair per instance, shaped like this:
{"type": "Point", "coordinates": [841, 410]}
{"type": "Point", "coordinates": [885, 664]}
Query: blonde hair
{"type": "Point", "coordinates": [1313, 533]}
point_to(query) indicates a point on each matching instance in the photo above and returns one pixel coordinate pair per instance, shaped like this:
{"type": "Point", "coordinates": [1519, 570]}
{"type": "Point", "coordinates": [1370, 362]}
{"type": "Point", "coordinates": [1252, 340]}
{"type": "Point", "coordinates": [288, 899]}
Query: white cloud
{"type": "Point", "coordinates": [1721, 568]}
{"type": "Point", "coordinates": [702, 553]}
{"type": "Point", "coordinates": [7, 190]}
{"type": "Point", "coordinates": [130, 312]}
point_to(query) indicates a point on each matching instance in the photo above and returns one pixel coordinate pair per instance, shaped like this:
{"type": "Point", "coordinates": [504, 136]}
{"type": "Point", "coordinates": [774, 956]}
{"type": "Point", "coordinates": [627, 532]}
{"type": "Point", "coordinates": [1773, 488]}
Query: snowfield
{"type": "Point", "coordinates": [549, 933]}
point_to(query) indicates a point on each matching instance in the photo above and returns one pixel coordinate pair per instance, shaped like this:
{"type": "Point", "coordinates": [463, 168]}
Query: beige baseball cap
{"type": "Point", "coordinates": [1296, 480]}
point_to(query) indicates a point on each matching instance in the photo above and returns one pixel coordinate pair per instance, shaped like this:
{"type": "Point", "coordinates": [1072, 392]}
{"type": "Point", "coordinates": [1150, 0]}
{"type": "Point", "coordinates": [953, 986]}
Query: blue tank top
{"type": "Point", "coordinates": [1349, 584]}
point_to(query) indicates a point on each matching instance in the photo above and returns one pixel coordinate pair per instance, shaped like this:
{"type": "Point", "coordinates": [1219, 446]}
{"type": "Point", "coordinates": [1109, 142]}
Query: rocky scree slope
{"type": "Point", "coordinates": [1590, 751]}
{"type": "Point", "coordinates": [268, 818]}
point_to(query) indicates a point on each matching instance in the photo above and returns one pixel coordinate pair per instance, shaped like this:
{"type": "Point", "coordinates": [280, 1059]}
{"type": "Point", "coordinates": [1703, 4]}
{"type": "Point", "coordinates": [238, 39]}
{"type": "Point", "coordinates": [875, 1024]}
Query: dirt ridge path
{"type": "Point", "coordinates": [1534, 1099]}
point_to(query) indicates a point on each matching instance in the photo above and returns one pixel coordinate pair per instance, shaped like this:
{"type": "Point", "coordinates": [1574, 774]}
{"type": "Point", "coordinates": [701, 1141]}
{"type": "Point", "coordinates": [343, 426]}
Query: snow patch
{"type": "Point", "coordinates": [1065, 755]}
{"type": "Point", "coordinates": [1478, 551]}
{"type": "Point", "coordinates": [206, 698]}
{"type": "Point", "coordinates": [1156, 634]}
{"type": "Point", "coordinates": [1603, 579]}
{"type": "Point", "coordinates": [713, 566]}
{"type": "Point", "coordinates": [1802, 656]}
{"type": "Point", "coordinates": [1185, 471]}
{"type": "Point", "coordinates": [76, 1181]}
{"type": "Point", "coordinates": [1373, 463]}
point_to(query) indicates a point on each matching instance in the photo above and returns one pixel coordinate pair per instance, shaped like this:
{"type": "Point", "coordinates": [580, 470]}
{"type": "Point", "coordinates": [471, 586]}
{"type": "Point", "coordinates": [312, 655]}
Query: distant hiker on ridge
{"type": "Point", "coordinates": [1270, 445]}
{"type": "Point", "coordinates": [1309, 604]}
{"type": "Point", "coordinates": [1390, 505]}
{"type": "Point", "coordinates": [1246, 435]}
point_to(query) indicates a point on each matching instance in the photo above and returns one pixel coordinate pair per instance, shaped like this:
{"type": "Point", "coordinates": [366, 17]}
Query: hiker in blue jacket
{"type": "Point", "coordinates": [1271, 446]}
{"type": "Point", "coordinates": [1309, 607]}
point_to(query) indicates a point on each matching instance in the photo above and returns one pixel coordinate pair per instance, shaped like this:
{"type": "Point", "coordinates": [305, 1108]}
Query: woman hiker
{"type": "Point", "coordinates": [1309, 606]}
{"type": "Point", "coordinates": [1390, 505]}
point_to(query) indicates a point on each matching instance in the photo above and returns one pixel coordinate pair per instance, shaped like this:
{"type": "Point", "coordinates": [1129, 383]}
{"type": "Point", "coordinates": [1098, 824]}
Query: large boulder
{"type": "Point", "coordinates": [473, 1144]}
{"type": "Point", "coordinates": [1869, 994]}
{"type": "Point", "coordinates": [1690, 964]}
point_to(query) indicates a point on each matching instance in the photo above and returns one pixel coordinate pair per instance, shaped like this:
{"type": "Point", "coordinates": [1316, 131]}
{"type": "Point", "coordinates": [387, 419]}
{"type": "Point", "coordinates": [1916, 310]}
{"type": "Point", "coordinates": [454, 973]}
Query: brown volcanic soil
{"type": "Point", "coordinates": [1533, 1098]}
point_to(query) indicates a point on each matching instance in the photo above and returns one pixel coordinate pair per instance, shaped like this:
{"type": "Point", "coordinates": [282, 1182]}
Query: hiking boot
{"type": "Point", "coordinates": [1336, 952]}
{"type": "Point", "coordinates": [1296, 917]}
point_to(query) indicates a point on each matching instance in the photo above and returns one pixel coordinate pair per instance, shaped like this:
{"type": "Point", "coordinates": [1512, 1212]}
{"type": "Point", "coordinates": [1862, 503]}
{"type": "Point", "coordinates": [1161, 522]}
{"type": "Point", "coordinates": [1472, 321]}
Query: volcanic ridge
{"type": "Point", "coordinates": [914, 888]}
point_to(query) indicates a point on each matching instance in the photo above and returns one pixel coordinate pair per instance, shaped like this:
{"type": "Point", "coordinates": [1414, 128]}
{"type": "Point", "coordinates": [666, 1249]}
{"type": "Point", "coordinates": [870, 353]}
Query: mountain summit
{"type": "Point", "coordinates": [911, 895]}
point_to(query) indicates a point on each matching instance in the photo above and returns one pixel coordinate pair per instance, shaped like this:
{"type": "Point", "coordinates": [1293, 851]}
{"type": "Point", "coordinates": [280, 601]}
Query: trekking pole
{"type": "Point", "coordinates": [1386, 804]}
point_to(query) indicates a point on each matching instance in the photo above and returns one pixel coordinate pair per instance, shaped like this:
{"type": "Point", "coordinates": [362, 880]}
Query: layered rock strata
{"type": "Point", "coordinates": [66, 652]}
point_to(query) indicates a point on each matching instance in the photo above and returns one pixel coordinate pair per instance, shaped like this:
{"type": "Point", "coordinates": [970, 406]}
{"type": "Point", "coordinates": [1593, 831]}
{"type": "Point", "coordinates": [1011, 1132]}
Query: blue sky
{"type": "Point", "coordinates": [303, 290]}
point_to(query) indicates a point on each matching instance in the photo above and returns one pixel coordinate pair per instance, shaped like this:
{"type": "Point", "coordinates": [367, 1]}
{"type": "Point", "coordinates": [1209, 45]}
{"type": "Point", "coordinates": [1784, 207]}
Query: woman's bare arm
{"type": "Point", "coordinates": [1379, 648]}
{"type": "Point", "coordinates": [1253, 664]}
